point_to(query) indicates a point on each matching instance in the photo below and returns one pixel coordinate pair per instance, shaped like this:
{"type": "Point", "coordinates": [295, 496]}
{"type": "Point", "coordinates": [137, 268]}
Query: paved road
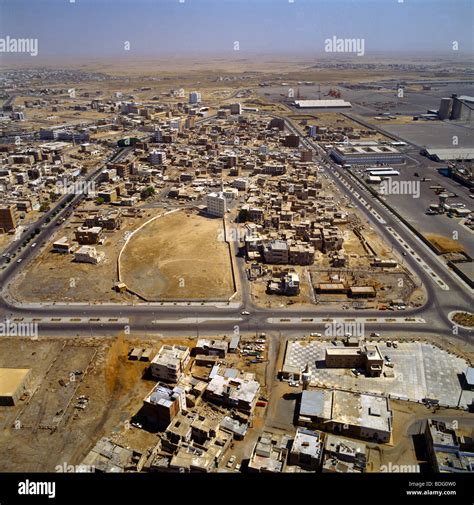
{"type": "Point", "coordinates": [189, 319]}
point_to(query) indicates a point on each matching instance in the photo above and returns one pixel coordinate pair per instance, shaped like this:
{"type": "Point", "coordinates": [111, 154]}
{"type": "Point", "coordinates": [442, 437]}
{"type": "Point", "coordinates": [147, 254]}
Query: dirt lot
{"type": "Point", "coordinates": [445, 244]}
{"type": "Point", "coordinates": [72, 281]}
{"type": "Point", "coordinates": [178, 256]}
{"type": "Point", "coordinates": [112, 384]}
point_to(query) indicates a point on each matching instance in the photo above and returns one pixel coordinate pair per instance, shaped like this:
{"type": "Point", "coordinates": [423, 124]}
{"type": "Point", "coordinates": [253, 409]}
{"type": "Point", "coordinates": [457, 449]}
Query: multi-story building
{"type": "Point", "coordinates": [307, 449]}
{"type": "Point", "coordinates": [8, 218]}
{"type": "Point", "coordinates": [237, 393]}
{"type": "Point", "coordinates": [157, 157]}
{"type": "Point", "coordinates": [216, 204]}
{"type": "Point", "coordinates": [276, 252]}
{"type": "Point", "coordinates": [163, 404]}
{"type": "Point", "coordinates": [170, 362]}
{"type": "Point", "coordinates": [88, 236]}
{"type": "Point", "coordinates": [194, 97]}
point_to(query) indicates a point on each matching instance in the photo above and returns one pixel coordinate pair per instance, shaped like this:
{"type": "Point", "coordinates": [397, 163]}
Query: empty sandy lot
{"type": "Point", "coordinates": [178, 256]}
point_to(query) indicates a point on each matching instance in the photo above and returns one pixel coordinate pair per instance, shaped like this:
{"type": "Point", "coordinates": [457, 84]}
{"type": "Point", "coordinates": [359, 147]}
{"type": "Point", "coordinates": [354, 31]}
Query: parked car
{"type": "Point", "coordinates": [231, 461]}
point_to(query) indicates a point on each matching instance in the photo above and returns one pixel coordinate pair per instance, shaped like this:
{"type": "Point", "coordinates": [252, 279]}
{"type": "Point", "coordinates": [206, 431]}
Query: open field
{"type": "Point", "coordinates": [76, 281]}
{"type": "Point", "coordinates": [178, 256]}
{"type": "Point", "coordinates": [112, 386]}
{"type": "Point", "coordinates": [445, 244]}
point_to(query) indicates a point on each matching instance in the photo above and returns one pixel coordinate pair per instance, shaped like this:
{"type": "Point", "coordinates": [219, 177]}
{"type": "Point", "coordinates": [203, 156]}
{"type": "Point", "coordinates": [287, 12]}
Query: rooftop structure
{"type": "Point", "coordinates": [321, 104]}
{"type": "Point", "coordinates": [170, 363]}
{"type": "Point", "coordinates": [362, 155]}
{"type": "Point", "coordinates": [235, 392]}
{"type": "Point", "coordinates": [360, 415]}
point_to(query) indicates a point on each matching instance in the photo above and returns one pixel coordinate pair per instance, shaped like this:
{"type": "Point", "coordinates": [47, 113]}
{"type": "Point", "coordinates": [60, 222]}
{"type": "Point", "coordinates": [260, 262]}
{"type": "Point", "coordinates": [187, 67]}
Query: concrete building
{"type": "Point", "coordinates": [448, 452]}
{"type": "Point", "coordinates": [170, 363]}
{"type": "Point", "coordinates": [62, 246]}
{"type": "Point", "coordinates": [88, 236]}
{"type": "Point", "coordinates": [357, 415]}
{"type": "Point", "coordinates": [307, 449]}
{"type": "Point", "coordinates": [236, 108]}
{"type": "Point", "coordinates": [216, 204]}
{"type": "Point", "coordinates": [236, 392]}
{"type": "Point", "coordinates": [88, 254]}
{"type": "Point", "coordinates": [107, 457]}
{"type": "Point", "coordinates": [157, 157]}
{"type": "Point", "coordinates": [194, 97]}
{"type": "Point", "coordinates": [162, 405]}
{"type": "Point", "coordinates": [211, 347]}
{"type": "Point", "coordinates": [14, 382]}
{"type": "Point", "coordinates": [343, 456]}
{"type": "Point", "coordinates": [367, 357]}
{"type": "Point", "coordinates": [354, 154]}
{"type": "Point", "coordinates": [269, 454]}
{"type": "Point", "coordinates": [276, 252]}
{"type": "Point", "coordinates": [468, 377]}
{"type": "Point", "coordinates": [8, 218]}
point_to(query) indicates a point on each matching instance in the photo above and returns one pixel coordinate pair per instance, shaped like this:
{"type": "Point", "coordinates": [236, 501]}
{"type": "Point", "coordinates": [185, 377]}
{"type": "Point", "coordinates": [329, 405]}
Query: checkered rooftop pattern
{"type": "Point", "coordinates": [420, 371]}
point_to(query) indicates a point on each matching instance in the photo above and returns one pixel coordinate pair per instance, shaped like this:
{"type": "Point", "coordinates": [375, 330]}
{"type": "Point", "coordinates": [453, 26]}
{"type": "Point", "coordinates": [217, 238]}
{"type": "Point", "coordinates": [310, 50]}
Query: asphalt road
{"type": "Point", "coordinates": [190, 319]}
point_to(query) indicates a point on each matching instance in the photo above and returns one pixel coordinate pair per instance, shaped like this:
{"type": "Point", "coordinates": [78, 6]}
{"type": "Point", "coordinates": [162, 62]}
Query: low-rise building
{"type": "Point", "coordinates": [269, 454]}
{"type": "Point", "coordinates": [307, 449]}
{"type": "Point", "coordinates": [367, 357]}
{"type": "Point", "coordinates": [344, 456]}
{"type": "Point", "coordinates": [353, 414]}
{"type": "Point", "coordinates": [88, 254]}
{"type": "Point", "coordinates": [236, 392]}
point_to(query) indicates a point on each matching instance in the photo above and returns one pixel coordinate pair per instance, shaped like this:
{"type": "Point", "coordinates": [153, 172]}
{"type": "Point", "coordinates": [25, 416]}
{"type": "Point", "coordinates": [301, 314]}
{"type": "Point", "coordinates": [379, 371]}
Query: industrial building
{"type": "Point", "coordinates": [449, 153]}
{"type": "Point", "coordinates": [456, 108]}
{"type": "Point", "coordinates": [353, 154]}
{"type": "Point", "coordinates": [321, 104]}
{"type": "Point", "coordinates": [14, 383]}
{"type": "Point", "coordinates": [351, 414]}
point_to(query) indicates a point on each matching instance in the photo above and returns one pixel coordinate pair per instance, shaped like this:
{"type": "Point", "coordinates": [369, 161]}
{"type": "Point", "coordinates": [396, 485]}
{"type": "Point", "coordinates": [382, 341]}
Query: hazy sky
{"type": "Point", "coordinates": [98, 28]}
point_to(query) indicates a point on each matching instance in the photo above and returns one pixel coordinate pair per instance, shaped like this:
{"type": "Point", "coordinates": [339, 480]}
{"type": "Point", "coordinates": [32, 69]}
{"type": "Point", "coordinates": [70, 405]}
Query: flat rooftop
{"type": "Point", "coordinates": [321, 103]}
{"type": "Point", "coordinates": [11, 379]}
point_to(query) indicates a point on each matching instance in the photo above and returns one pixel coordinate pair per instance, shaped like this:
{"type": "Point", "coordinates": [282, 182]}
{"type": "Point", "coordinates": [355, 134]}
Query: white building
{"type": "Point", "coordinates": [170, 363]}
{"type": "Point", "coordinates": [157, 157]}
{"type": "Point", "coordinates": [216, 204]}
{"type": "Point", "coordinates": [88, 254]}
{"type": "Point", "coordinates": [194, 97]}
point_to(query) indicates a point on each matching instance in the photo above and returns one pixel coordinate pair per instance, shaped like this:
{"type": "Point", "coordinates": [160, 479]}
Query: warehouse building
{"type": "Point", "coordinates": [321, 104]}
{"type": "Point", "coordinates": [14, 383]}
{"type": "Point", "coordinates": [354, 154]}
